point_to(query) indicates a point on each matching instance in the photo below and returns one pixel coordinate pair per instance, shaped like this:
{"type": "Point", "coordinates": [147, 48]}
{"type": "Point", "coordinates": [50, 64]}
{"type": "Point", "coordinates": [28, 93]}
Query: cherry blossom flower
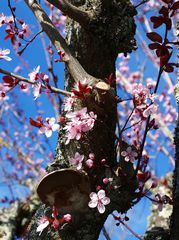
{"type": "Point", "coordinates": [89, 163]}
{"type": "Point", "coordinates": [67, 217]}
{"type": "Point", "coordinates": [26, 30]}
{"type": "Point", "coordinates": [129, 155]}
{"type": "Point", "coordinates": [79, 122]}
{"type": "Point", "coordinates": [141, 94]}
{"type": "Point", "coordinates": [37, 90]}
{"type": "Point", "coordinates": [44, 77]}
{"type": "Point", "coordinates": [34, 74]}
{"type": "Point", "coordinates": [2, 19]}
{"type": "Point", "coordinates": [3, 54]}
{"type": "Point", "coordinates": [99, 200]}
{"type": "Point", "coordinates": [49, 127]}
{"type": "Point", "coordinates": [68, 103]}
{"type": "Point", "coordinates": [152, 109]}
{"type": "Point", "coordinates": [43, 223]}
{"type": "Point", "coordinates": [77, 161]}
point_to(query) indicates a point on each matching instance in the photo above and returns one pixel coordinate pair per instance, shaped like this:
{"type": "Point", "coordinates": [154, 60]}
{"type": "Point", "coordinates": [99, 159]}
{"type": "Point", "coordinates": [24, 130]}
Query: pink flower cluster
{"type": "Point", "coordinates": [54, 221]}
{"type": "Point", "coordinates": [144, 100]}
{"type": "Point", "coordinates": [79, 122]}
{"type": "Point", "coordinates": [14, 32]}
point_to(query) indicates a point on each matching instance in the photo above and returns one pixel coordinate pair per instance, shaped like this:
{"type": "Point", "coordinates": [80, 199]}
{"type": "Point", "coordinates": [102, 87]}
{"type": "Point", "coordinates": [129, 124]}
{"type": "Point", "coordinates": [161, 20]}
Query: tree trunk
{"type": "Point", "coordinates": [96, 46]}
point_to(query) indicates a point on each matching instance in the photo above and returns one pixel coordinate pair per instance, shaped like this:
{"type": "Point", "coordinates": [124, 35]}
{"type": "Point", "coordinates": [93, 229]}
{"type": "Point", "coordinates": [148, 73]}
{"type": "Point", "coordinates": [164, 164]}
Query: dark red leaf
{"type": "Point", "coordinates": [164, 11]}
{"type": "Point", "coordinates": [175, 6]}
{"type": "Point", "coordinates": [168, 68]}
{"type": "Point", "coordinates": [143, 177]}
{"type": "Point", "coordinates": [153, 46]}
{"type": "Point", "coordinates": [163, 60]}
{"type": "Point", "coordinates": [167, 1]}
{"type": "Point", "coordinates": [155, 37]}
{"type": "Point", "coordinates": [34, 123]}
{"type": "Point", "coordinates": [157, 21]}
{"type": "Point", "coordinates": [168, 23]}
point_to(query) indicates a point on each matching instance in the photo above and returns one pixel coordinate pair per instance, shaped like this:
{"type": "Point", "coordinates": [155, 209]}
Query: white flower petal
{"type": "Point", "coordinates": [55, 127]}
{"type": "Point", "coordinates": [105, 200]}
{"type": "Point", "coordinates": [101, 194]}
{"type": "Point", "coordinates": [92, 204]}
{"type": "Point", "coordinates": [48, 133]}
{"type": "Point", "coordinates": [93, 196]}
{"type": "Point", "coordinates": [101, 208]}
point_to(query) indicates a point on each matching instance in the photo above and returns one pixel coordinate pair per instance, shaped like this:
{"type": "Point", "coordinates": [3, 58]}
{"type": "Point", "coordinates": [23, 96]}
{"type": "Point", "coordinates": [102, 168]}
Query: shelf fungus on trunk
{"type": "Point", "coordinates": [66, 189]}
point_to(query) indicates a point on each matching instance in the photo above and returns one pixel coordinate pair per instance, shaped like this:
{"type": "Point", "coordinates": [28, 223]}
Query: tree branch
{"type": "Point", "coordinates": [75, 69]}
{"type": "Point", "coordinates": [80, 16]}
{"type": "Point", "coordinates": [26, 80]}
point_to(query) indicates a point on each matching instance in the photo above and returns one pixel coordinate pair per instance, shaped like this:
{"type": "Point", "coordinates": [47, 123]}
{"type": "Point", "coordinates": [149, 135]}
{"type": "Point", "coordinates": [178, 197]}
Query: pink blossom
{"type": "Point", "coordinates": [43, 223]}
{"type": "Point", "coordinates": [105, 180]}
{"type": "Point", "coordinates": [141, 94]}
{"type": "Point", "coordinates": [99, 200]}
{"type": "Point", "coordinates": [37, 90]}
{"type": "Point", "coordinates": [2, 19]}
{"type": "Point", "coordinates": [68, 103]}
{"type": "Point", "coordinates": [129, 155]}
{"type": "Point", "coordinates": [92, 156]}
{"type": "Point", "coordinates": [89, 163]}
{"type": "Point", "coordinates": [77, 161]}
{"type": "Point", "coordinates": [67, 217]}
{"type": "Point", "coordinates": [79, 122]}
{"type": "Point", "coordinates": [34, 74]}
{"type": "Point", "coordinates": [26, 30]}
{"type": "Point", "coordinates": [3, 54]}
{"type": "Point", "coordinates": [150, 110]}
{"type": "Point", "coordinates": [49, 127]}
{"type": "Point", "coordinates": [44, 77]}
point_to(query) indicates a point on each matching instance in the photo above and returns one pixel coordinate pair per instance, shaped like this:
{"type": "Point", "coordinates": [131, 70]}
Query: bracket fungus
{"type": "Point", "coordinates": [66, 189]}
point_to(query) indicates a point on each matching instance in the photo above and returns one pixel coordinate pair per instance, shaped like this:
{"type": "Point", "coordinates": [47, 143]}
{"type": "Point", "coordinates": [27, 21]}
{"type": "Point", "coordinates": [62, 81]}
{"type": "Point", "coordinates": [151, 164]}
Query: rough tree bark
{"type": "Point", "coordinates": [96, 32]}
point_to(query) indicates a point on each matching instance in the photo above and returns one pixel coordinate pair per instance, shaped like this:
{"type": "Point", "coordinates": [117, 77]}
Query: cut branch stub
{"type": "Point", "coordinates": [102, 86]}
{"type": "Point", "coordinates": [66, 189]}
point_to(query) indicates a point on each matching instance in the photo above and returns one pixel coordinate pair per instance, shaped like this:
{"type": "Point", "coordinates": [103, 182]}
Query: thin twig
{"type": "Point", "coordinates": [141, 3]}
{"type": "Point", "coordinates": [26, 80]}
{"type": "Point", "coordinates": [127, 120]}
{"type": "Point", "coordinates": [105, 233]}
{"type": "Point", "coordinates": [128, 228]}
{"type": "Point", "coordinates": [13, 15]}
{"type": "Point", "coordinates": [30, 41]}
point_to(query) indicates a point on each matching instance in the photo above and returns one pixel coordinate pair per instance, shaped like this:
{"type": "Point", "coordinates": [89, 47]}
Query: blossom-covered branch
{"type": "Point", "coordinates": [26, 80]}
